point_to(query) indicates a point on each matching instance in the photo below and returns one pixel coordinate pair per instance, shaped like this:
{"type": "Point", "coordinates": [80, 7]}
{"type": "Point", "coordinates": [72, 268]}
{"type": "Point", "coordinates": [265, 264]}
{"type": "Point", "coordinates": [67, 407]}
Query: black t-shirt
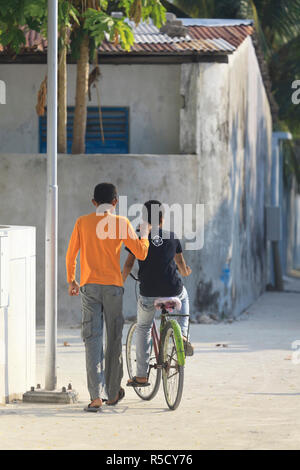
{"type": "Point", "coordinates": [158, 275]}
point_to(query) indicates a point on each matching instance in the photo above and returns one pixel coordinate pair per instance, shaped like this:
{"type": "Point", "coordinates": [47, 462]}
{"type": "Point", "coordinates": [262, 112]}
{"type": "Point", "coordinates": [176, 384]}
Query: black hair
{"type": "Point", "coordinates": [153, 209]}
{"type": "Point", "coordinates": [105, 193]}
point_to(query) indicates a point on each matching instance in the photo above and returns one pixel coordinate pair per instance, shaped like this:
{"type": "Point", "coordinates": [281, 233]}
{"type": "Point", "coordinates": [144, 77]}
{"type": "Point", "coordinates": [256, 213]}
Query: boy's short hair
{"type": "Point", "coordinates": [105, 193]}
{"type": "Point", "coordinates": [153, 212]}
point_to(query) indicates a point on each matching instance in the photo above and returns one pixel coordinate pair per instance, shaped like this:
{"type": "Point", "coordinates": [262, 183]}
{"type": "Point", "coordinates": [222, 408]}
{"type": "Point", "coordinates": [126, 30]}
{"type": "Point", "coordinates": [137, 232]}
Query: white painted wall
{"type": "Point", "coordinates": [17, 311]}
{"type": "Point", "coordinates": [152, 92]}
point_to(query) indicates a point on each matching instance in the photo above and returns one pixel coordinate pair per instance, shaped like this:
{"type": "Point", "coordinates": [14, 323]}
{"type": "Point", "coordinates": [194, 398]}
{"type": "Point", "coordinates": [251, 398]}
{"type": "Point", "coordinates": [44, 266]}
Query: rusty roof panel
{"type": "Point", "coordinates": [201, 39]}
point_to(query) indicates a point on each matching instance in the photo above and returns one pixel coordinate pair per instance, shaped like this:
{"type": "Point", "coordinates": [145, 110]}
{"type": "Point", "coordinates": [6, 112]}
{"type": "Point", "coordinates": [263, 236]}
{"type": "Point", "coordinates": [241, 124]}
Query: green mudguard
{"type": "Point", "coordinates": [179, 342]}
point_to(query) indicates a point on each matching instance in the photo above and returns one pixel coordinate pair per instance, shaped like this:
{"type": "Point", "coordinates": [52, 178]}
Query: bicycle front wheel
{"type": "Point", "coordinates": [154, 374]}
{"type": "Point", "coordinates": [172, 371]}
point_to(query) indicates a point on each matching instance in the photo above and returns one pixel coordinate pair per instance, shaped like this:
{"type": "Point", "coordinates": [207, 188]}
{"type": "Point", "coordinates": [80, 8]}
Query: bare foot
{"type": "Point", "coordinates": [109, 402]}
{"type": "Point", "coordinates": [119, 397]}
{"type": "Point", "coordinates": [141, 380]}
{"type": "Point", "coordinates": [96, 403]}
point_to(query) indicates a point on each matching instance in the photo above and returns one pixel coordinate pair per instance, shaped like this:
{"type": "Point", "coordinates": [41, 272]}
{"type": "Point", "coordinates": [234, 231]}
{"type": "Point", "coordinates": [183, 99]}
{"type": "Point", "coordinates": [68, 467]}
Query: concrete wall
{"type": "Point", "coordinates": [152, 92]}
{"type": "Point", "coordinates": [170, 178]}
{"type": "Point", "coordinates": [290, 199]}
{"type": "Point", "coordinates": [296, 254]}
{"type": "Point", "coordinates": [232, 136]}
{"type": "Point", "coordinates": [290, 243]}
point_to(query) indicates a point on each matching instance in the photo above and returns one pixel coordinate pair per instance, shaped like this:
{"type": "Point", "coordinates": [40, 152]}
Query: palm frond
{"type": "Point", "coordinates": [195, 9]}
{"type": "Point", "coordinates": [284, 67]}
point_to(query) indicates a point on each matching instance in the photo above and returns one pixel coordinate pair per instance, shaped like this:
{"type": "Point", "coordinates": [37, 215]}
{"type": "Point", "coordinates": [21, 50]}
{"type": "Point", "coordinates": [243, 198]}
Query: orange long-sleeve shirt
{"type": "Point", "coordinates": [99, 239]}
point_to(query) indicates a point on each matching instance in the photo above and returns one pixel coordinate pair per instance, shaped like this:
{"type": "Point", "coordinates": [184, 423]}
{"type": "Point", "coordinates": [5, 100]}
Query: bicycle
{"type": "Point", "coordinates": [167, 355]}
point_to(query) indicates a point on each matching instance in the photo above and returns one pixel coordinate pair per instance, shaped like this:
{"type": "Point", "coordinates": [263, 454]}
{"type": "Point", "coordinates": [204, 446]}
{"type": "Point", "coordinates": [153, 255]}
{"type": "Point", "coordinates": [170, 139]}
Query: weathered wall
{"type": "Point", "coordinates": [169, 178]}
{"type": "Point", "coordinates": [232, 136]}
{"type": "Point", "coordinates": [191, 92]}
{"type": "Point", "coordinates": [151, 91]}
{"type": "Point", "coordinates": [290, 200]}
{"type": "Point", "coordinates": [290, 243]}
{"type": "Point", "coordinates": [296, 254]}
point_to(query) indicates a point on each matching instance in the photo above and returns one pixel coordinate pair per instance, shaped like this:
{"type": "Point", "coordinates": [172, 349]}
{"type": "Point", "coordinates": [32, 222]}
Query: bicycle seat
{"type": "Point", "coordinates": [169, 303]}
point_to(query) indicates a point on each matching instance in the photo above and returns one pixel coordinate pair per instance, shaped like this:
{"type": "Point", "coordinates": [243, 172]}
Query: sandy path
{"type": "Point", "coordinates": [243, 396]}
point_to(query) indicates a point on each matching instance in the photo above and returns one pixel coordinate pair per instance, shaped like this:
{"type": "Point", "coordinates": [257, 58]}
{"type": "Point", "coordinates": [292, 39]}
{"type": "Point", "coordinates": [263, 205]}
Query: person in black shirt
{"type": "Point", "coordinates": [159, 277]}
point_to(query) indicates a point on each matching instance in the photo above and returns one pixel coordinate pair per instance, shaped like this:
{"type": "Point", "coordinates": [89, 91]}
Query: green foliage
{"type": "Point", "coordinates": [291, 165]}
{"type": "Point", "coordinates": [15, 17]}
{"type": "Point", "coordinates": [67, 14]}
{"type": "Point", "coordinates": [278, 27]}
{"type": "Point", "coordinates": [208, 8]}
{"type": "Point", "coordinates": [99, 24]}
{"type": "Point", "coordinates": [153, 9]}
{"type": "Point", "coordinates": [284, 67]}
{"type": "Point", "coordinates": [18, 16]}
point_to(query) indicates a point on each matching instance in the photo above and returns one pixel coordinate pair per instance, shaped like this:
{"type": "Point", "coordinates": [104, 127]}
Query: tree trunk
{"type": "Point", "coordinates": [79, 128]}
{"type": "Point", "coordinates": [62, 101]}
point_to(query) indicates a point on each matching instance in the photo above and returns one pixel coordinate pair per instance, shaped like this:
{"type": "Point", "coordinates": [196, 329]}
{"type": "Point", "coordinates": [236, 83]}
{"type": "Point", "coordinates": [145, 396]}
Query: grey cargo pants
{"type": "Point", "coordinates": [98, 300]}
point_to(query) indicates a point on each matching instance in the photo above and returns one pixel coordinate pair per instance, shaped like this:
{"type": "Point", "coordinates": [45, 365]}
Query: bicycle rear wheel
{"type": "Point", "coordinates": [154, 374]}
{"type": "Point", "coordinates": [172, 371]}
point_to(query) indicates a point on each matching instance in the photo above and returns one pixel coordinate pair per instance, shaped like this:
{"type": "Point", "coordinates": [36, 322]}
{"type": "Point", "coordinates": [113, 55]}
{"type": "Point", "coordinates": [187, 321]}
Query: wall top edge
{"type": "Point", "coordinates": [101, 155]}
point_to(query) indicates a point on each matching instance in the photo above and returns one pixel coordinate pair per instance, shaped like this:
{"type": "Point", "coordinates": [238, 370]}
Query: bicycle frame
{"type": "Point", "coordinates": [156, 340]}
{"type": "Point", "coordinates": [155, 335]}
{"type": "Point", "coordinates": [167, 357]}
{"type": "Point", "coordinates": [178, 339]}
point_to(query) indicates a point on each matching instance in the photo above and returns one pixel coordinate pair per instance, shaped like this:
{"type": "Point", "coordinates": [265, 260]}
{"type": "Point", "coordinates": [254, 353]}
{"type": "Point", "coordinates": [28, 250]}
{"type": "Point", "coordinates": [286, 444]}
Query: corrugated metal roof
{"type": "Point", "coordinates": [215, 22]}
{"type": "Point", "coordinates": [158, 39]}
{"type": "Point", "coordinates": [200, 39]}
{"type": "Point", "coordinates": [221, 38]}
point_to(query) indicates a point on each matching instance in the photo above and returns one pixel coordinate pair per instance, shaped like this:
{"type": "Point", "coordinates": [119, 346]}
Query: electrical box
{"type": "Point", "coordinates": [17, 311]}
{"type": "Point", "coordinates": [3, 269]}
{"type": "Point", "coordinates": [273, 220]}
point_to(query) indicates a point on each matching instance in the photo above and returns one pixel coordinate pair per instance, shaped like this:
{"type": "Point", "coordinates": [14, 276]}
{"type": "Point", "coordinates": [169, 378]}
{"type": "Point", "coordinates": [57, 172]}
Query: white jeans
{"type": "Point", "coordinates": [145, 316]}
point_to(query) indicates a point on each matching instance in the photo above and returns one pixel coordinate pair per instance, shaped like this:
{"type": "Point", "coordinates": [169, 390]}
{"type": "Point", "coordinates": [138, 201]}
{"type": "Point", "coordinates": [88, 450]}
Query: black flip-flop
{"type": "Point", "coordinates": [136, 383]}
{"type": "Point", "coordinates": [120, 397]}
{"type": "Point", "coordinates": [188, 348]}
{"type": "Point", "coordinates": [92, 409]}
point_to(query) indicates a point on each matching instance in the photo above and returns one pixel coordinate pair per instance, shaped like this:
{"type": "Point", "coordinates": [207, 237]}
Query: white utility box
{"type": "Point", "coordinates": [17, 311]}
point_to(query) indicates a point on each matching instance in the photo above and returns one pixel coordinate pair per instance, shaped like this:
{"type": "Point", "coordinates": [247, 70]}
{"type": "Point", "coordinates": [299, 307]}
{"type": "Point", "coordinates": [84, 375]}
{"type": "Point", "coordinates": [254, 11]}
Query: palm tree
{"type": "Point", "coordinates": [32, 15]}
{"type": "Point", "coordinates": [207, 8]}
{"type": "Point", "coordinates": [276, 40]}
{"type": "Point", "coordinates": [95, 24]}
{"type": "Point", "coordinates": [67, 16]}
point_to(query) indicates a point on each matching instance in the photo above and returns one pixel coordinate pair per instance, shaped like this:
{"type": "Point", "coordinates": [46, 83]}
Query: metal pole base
{"type": "Point", "coordinates": [63, 396]}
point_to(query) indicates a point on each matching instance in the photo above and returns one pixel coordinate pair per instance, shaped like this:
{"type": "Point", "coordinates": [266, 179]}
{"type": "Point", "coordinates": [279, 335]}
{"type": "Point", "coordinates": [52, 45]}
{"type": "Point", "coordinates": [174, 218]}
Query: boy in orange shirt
{"type": "Point", "coordinates": [99, 237]}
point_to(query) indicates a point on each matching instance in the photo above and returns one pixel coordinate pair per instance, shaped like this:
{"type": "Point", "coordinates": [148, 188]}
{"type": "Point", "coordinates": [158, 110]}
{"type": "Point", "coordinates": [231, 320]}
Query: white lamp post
{"type": "Point", "coordinates": [50, 394]}
{"type": "Point", "coordinates": [52, 206]}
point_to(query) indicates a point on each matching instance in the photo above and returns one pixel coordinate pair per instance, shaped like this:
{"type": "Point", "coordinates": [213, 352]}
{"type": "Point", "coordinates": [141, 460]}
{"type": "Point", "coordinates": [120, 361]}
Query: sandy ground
{"type": "Point", "coordinates": [243, 396]}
